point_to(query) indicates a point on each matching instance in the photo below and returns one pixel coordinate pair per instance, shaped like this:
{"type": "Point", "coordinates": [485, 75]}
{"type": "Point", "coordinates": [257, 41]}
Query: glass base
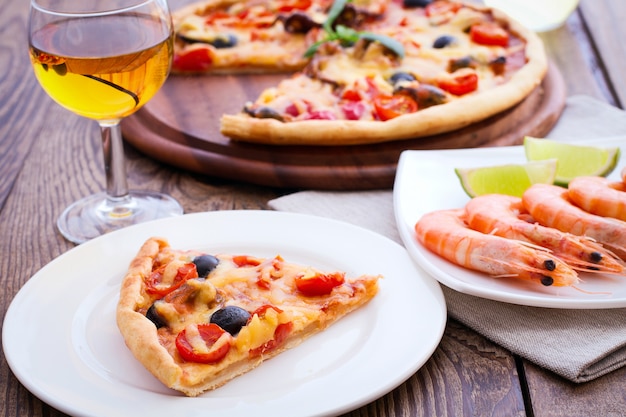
{"type": "Point", "coordinates": [98, 214]}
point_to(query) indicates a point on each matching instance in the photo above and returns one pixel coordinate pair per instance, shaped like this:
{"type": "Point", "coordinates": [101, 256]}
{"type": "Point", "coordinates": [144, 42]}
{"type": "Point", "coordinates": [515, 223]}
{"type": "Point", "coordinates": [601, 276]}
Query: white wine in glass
{"type": "Point", "coordinates": [104, 60]}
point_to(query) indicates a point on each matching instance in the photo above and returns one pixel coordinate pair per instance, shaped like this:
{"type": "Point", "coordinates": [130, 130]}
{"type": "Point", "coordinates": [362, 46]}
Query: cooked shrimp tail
{"type": "Point", "coordinates": [446, 233]}
{"type": "Point", "coordinates": [551, 206]}
{"type": "Point", "coordinates": [506, 216]}
{"type": "Point", "coordinates": [598, 195]}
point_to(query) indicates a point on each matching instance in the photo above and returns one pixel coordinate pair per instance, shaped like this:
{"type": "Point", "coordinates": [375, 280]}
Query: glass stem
{"type": "Point", "coordinates": [114, 161]}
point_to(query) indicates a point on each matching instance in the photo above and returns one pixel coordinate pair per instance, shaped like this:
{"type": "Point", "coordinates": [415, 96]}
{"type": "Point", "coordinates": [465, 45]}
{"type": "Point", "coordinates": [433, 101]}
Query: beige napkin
{"type": "Point", "coordinates": [579, 345]}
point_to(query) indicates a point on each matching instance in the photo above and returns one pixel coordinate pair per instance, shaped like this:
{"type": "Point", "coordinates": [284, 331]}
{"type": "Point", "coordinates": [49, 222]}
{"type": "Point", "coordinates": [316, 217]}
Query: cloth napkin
{"type": "Point", "coordinates": [579, 345]}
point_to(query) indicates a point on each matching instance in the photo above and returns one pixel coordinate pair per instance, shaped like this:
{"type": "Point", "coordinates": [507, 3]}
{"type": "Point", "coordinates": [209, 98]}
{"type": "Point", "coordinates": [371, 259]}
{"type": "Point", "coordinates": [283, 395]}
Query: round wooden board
{"type": "Point", "coordinates": [180, 127]}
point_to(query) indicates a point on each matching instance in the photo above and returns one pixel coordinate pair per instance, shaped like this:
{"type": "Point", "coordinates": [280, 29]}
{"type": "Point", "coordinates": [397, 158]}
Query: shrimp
{"type": "Point", "coordinates": [445, 233]}
{"type": "Point", "coordinates": [550, 206]}
{"type": "Point", "coordinates": [505, 216]}
{"type": "Point", "coordinates": [598, 195]}
{"type": "Point", "coordinates": [624, 175]}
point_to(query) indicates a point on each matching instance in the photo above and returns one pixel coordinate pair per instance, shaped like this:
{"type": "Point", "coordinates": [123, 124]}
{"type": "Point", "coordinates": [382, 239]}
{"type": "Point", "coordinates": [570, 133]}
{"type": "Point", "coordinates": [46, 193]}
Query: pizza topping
{"type": "Point", "coordinates": [441, 11]}
{"type": "Point", "coordinates": [398, 77]}
{"type": "Point", "coordinates": [280, 335]}
{"type": "Point", "coordinates": [416, 3]}
{"type": "Point", "coordinates": [268, 330]}
{"type": "Point", "coordinates": [489, 34]}
{"type": "Point", "coordinates": [153, 315]}
{"type": "Point", "coordinates": [220, 40]}
{"type": "Point", "coordinates": [205, 264]}
{"type": "Point", "coordinates": [230, 318]}
{"type": "Point", "coordinates": [444, 41]}
{"type": "Point", "coordinates": [260, 328]}
{"type": "Point", "coordinates": [425, 95]}
{"type": "Point", "coordinates": [461, 82]}
{"type": "Point", "coordinates": [463, 62]}
{"type": "Point", "coordinates": [498, 65]}
{"type": "Point", "coordinates": [314, 283]}
{"type": "Point", "coordinates": [298, 22]}
{"type": "Point", "coordinates": [262, 112]}
{"type": "Point", "coordinates": [391, 106]}
{"type": "Point", "coordinates": [203, 343]}
{"type": "Point", "coordinates": [354, 110]}
{"type": "Point", "coordinates": [339, 27]}
{"type": "Point", "coordinates": [169, 277]}
{"type": "Point", "coordinates": [194, 60]}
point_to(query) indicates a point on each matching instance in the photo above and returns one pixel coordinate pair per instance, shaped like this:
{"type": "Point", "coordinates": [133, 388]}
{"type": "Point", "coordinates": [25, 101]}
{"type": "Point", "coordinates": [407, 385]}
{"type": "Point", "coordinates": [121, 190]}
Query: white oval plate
{"type": "Point", "coordinates": [61, 340]}
{"type": "Point", "coordinates": [426, 181]}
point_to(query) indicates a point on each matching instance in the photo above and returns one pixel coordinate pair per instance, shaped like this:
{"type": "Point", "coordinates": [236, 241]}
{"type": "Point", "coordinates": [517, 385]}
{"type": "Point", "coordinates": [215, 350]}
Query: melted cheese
{"type": "Point", "coordinates": [198, 299]}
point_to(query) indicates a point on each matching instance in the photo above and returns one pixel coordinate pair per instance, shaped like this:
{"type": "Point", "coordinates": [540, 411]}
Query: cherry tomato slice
{"type": "Point", "coordinates": [184, 273]}
{"type": "Point", "coordinates": [245, 260]}
{"type": "Point", "coordinates": [210, 334]}
{"type": "Point", "coordinates": [439, 8]}
{"type": "Point", "coordinates": [351, 95]}
{"type": "Point", "coordinates": [460, 85]}
{"type": "Point", "coordinates": [489, 34]}
{"type": "Point", "coordinates": [261, 310]}
{"type": "Point", "coordinates": [198, 59]}
{"type": "Point", "coordinates": [389, 107]}
{"type": "Point", "coordinates": [290, 5]}
{"type": "Point", "coordinates": [319, 284]}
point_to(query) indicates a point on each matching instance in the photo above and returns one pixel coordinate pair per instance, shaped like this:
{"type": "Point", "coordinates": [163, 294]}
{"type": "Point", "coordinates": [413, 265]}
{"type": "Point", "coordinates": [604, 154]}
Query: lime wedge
{"type": "Point", "coordinates": [510, 179]}
{"type": "Point", "coordinates": [574, 160]}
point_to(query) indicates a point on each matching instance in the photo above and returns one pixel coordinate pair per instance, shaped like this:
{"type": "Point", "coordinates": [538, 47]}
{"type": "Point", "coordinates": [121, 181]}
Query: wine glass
{"type": "Point", "coordinates": [104, 59]}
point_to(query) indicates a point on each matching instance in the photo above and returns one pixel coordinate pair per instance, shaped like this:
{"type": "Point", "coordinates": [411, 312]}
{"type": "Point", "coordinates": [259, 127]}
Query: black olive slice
{"type": "Point", "coordinates": [153, 315]}
{"type": "Point", "coordinates": [425, 95]}
{"type": "Point", "coordinates": [205, 264]}
{"type": "Point", "coordinates": [263, 112]}
{"type": "Point", "coordinates": [298, 22]}
{"type": "Point", "coordinates": [444, 41]}
{"type": "Point", "coordinates": [230, 318]}
{"type": "Point", "coordinates": [401, 76]}
{"type": "Point", "coordinates": [416, 3]}
{"type": "Point", "coordinates": [220, 41]}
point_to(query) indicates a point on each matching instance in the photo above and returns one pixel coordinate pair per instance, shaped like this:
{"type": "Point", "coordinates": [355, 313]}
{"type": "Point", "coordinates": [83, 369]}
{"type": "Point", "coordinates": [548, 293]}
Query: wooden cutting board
{"type": "Point", "coordinates": [180, 127]}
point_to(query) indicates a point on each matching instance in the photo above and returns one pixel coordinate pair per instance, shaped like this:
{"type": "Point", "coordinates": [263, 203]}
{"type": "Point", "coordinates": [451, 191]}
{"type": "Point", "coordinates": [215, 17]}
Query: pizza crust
{"type": "Point", "coordinates": [431, 121]}
{"type": "Point", "coordinates": [139, 333]}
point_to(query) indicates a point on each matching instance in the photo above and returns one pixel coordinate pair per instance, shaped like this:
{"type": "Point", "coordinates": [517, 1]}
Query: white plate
{"type": "Point", "coordinates": [425, 181]}
{"type": "Point", "coordinates": [61, 341]}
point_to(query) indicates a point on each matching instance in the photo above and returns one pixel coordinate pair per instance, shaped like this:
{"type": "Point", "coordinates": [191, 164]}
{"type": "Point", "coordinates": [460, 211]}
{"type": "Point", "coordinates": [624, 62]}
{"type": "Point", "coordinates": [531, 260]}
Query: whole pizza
{"type": "Point", "coordinates": [360, 71]}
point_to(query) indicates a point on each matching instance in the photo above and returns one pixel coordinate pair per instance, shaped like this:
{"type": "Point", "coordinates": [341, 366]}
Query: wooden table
{"type": "Point", "coordinates": [49, 158]}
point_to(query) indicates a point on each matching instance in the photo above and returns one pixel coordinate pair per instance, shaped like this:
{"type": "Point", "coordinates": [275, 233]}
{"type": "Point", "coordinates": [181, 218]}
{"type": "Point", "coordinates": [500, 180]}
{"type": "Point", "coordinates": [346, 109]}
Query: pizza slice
{"type": "Point", "coordinates": [235, 36]}
{"type": "Point", "coordinates": [198, 320]}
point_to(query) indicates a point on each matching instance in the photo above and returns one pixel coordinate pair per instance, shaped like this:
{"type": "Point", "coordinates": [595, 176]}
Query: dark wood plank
{"type": "Point", "coordinates": [20, 96]}
{"type": "Point", "coordinates": [604, 19]}
{"type": "Point", "coordinates": [571, 50]}
{"type": "Point", "coordinates": [551, 395]}
{"type": "Point", "coordinates": [447, 384]}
